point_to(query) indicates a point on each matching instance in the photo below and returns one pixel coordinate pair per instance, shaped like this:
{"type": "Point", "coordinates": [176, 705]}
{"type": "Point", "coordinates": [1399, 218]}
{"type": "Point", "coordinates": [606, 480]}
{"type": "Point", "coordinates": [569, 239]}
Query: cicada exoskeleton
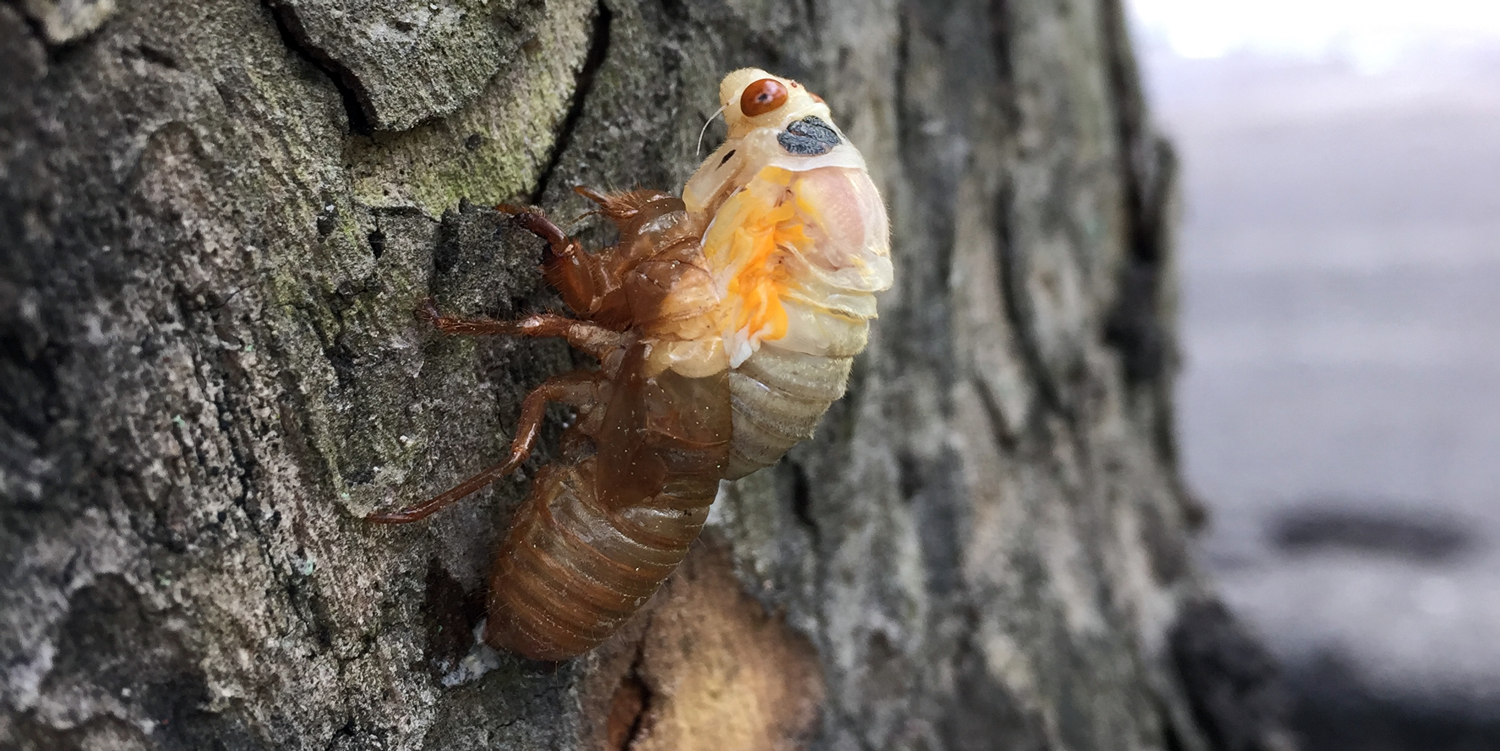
{"type": "Point", "coordinates": [724, 323]}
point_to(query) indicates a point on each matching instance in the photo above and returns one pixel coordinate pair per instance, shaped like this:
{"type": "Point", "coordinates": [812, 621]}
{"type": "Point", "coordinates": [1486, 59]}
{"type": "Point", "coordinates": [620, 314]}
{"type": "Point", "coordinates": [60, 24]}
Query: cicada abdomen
{"type": "Point", "coordinates": [799, 245]}
{"type": "Point", "coordinates": [724, 323]}
{"type": "Point", "coordinates": [599, 536]}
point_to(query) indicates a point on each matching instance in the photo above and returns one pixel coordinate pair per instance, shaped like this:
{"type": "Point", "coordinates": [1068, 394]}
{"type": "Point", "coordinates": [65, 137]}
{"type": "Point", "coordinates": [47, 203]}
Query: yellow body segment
{"type": "Point", "coordinates": [796, 246]}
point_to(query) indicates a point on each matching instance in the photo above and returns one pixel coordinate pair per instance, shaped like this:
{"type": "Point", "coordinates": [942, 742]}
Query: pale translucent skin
{"type": "Point", "coordinates": [785, 370]}
{"type": "Point", "coordinates": [724, 324]}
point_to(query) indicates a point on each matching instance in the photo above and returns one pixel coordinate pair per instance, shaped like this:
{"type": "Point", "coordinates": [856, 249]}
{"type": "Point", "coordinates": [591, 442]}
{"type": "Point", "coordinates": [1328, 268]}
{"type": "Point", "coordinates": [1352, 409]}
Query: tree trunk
{"type": "Point", "coordinates": [218, 216]}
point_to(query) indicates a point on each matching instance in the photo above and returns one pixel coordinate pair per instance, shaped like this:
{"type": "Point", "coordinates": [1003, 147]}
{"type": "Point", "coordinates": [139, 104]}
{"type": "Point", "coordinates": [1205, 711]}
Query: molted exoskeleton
{"type": "Point", "coordinates": [724, 323]}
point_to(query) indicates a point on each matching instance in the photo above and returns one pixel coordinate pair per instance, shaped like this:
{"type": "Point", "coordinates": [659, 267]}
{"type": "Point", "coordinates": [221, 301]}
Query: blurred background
{"type": "Point", "coordinates": [1340, 396]}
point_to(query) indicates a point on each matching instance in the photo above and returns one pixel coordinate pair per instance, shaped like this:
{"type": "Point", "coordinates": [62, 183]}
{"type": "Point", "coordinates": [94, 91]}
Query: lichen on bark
{"type": "Point", "coordinates": [218, 215]}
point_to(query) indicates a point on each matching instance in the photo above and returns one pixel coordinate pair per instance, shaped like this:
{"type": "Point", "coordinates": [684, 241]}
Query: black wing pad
{"type": "Point", "coordinates": [809, 136]}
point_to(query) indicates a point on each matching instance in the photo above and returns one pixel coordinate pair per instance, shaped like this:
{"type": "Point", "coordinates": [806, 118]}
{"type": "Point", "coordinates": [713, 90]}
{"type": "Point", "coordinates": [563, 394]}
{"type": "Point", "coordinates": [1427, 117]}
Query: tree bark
{"type": "Point", "coordinates": [218, 215]}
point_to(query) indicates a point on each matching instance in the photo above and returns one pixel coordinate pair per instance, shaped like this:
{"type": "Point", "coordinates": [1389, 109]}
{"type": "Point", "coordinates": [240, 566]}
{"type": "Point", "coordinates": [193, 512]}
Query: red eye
{"type": "Point", "coordinates": [762, 96]}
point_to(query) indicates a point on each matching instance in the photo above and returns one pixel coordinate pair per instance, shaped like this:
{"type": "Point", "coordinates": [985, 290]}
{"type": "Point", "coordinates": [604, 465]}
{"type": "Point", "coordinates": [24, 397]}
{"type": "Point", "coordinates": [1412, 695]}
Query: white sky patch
{"type": "Point", "coordinates": [1372, 34]}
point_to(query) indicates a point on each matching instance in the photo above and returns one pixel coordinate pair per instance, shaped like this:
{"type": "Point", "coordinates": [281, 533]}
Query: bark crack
{"type": "Point", "coordinates": [630, 708]}
{"type": "Point", "coordinates": [994, 411]}
{"type": "Point", "coordinates": [1148, 166]}
{"type": "Point", "coordinates": [32, 23]}
{"type": "Point", "coordinates": [801, 500]}
{"type": "Point", "coordinates": [358, 106]}
{"type": "Point", "coordinates": [1010, 260]}
{"type": "Point", "coordinates": [584, 84]}
{"type": "Point", "coordinates": [1012, 293]}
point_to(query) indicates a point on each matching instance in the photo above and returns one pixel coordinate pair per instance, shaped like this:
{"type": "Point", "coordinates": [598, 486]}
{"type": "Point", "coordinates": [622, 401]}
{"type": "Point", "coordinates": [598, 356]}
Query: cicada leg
{"type": "Point", "coordinates": [629, 205]}
{"type": "Point", "coordinates": [579, 276]}
{"type": "Point", "coordinates": [578, 388]}
{"type": "Point", "coordinates": [589, 338]}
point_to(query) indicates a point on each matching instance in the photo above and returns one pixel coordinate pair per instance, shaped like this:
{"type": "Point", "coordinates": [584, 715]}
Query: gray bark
{"type": "Point", "coordinates": [217, 216]}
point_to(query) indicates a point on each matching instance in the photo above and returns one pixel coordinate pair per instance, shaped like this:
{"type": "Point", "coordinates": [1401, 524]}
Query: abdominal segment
{"type": "Point", "coordinates": [572, 571]}
{"type": "Point", "coordinates": [799, 255]}
{"type": "Point", "coordinates": [599, 535]}
{"type": "Point", "coordinates": [777, 398]}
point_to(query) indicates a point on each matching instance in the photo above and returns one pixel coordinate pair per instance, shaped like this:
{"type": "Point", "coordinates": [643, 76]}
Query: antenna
{"type": "Point", "coordinates": [710, 121]}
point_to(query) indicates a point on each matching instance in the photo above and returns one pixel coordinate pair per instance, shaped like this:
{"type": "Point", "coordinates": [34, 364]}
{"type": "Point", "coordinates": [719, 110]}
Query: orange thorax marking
{"type": "Point", "coordinates": [764, 225]}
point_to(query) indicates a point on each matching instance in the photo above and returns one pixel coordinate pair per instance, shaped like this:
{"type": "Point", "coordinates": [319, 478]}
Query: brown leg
{"type": "Point", "coordinates": [534, 221]}
{"type": "Point", "coordinates": [579, 276]}
{"type": "Point", "coordinates": [623, 207]}
{"type": "Point", "coordinates": [590, 338]}
{"type": "Point", "coordinates": [607, 204]}
{"type": "Point", "coordinates": [575, 388]}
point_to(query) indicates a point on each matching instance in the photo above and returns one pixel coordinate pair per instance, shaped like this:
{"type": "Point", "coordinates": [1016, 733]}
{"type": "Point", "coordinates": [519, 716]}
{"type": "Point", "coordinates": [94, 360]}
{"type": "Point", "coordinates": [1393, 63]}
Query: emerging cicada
{"type": "Point", "coordinates": [724, 323]}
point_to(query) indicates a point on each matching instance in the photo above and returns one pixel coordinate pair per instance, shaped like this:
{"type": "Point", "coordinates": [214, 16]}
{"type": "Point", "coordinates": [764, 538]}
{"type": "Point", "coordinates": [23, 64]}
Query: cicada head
{"type": "Point", "coordinates": [796, 240]}
{"type": "Point", "coordinates": [753, 98]}
{"type": "Point", "coordinates": [773, 122]}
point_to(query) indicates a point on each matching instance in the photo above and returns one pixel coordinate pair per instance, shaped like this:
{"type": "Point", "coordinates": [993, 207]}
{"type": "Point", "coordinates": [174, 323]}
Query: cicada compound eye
{"type": "Point", "coordinates": [762, 96]}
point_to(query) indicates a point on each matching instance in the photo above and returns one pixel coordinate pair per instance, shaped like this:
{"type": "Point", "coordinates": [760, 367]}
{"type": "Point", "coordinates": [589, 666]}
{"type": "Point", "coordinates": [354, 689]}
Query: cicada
{"type": "Point", "coordinates": [724, 323]}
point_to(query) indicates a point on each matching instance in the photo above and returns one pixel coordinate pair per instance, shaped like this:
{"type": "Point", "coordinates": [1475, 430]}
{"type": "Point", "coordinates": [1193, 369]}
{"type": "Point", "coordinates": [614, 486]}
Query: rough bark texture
{"type": "Point", "coordinates": [218, 215]}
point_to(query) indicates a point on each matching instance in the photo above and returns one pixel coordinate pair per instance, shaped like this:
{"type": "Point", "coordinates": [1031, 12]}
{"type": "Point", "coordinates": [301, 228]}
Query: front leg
{"type": "Point", "coordinates": [582, 278]}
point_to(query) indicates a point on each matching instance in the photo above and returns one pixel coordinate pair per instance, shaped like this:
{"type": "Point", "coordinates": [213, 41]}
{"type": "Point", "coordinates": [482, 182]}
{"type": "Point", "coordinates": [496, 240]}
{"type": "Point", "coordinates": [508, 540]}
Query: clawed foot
{"type": "Point", "coordinates": [515, 210]}
{"type": "Point", "coordinates": [427, 312]}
